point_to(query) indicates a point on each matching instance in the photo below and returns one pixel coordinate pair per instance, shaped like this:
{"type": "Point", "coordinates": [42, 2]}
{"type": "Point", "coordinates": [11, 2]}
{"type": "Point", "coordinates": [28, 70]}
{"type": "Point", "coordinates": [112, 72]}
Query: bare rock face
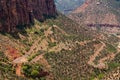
{"type": "Point", "coordinates": [22, 12]}
{"type": "Point", "coordinates": [102, 13]}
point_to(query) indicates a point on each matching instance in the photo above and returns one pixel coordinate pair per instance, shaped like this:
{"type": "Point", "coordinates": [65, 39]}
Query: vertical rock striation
{"type": "Point", "coordinates": [22, 12]}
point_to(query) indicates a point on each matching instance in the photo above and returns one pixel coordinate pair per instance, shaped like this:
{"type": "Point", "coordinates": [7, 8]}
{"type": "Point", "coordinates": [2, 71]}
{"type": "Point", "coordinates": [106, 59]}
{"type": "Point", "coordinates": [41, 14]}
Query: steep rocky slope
{"type": "Point", "coordinates": [98, 13]}
{"type": "Point", "coordinates": [67, 6]}
{"type": "Point", "coordinates": [58, 49]}
{"type": "Point", "coordinates": [22, 12]}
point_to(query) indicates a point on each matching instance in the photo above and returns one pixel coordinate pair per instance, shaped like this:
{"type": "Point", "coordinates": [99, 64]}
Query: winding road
{"type": "Point", "coordinates": [101, 63]}
{"type": "Point", "coordinates": [92, 58]}
{"type": "Point", "coordinates": [24, 58]}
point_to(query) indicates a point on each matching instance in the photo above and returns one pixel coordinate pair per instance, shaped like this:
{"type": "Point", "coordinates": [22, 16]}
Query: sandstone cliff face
{"type": "Point", "coordinates": [22, 12]}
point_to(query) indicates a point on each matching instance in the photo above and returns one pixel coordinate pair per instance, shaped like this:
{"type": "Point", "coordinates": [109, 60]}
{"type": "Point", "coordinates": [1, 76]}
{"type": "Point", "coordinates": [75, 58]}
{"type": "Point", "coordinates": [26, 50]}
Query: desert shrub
{"type": "Point", "coordinates": [34, 71]}
{"type": "Point", "coordinates": [52, 44]}
{"type": "Point", "coordinates": [113, 65]}
{"type": "Point", "coordinates": [111, 48]}
{"type": "Point", "coordinates": [34, 55]}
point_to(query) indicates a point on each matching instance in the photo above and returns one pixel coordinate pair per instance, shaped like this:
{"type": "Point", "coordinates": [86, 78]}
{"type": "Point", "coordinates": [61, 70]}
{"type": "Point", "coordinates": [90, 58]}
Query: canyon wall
{"type": "Point", "coordinates": [22, 12]}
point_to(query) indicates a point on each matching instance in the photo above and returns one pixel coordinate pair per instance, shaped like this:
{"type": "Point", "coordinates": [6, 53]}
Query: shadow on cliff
{"type": "Point", "coordinates": [22, 28]}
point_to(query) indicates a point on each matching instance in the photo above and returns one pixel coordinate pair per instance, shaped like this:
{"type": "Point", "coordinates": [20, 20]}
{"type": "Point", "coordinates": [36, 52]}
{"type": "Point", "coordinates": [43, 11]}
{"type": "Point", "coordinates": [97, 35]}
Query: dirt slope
{"type": "Point", "coordinates": [97, 12]}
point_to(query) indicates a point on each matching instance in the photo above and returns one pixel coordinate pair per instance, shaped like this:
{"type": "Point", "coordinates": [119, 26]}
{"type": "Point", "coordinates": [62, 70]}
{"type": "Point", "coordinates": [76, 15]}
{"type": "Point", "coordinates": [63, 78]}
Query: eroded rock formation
{"type": "Point", "coordinates": [104, 13]}
{"type": "Point", "coordinates": [21, 12]}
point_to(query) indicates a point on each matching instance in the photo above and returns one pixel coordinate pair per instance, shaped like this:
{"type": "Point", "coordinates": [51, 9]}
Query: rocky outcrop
{"type": "Point", "coordinates": [103, 13]}
{"type": "Point", "coordinates": [22, 12]}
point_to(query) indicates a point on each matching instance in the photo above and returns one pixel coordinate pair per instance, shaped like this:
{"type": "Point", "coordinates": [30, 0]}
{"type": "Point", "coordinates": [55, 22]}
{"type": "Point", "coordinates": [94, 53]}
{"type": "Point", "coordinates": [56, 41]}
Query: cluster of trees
{"type": "Point", "coordinates": [34, 71]}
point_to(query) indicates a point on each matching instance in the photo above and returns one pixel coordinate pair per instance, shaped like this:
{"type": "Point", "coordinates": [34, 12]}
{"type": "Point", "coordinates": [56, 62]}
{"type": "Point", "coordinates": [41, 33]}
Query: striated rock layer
{"type": "Point", "coordinates": [22, 12]}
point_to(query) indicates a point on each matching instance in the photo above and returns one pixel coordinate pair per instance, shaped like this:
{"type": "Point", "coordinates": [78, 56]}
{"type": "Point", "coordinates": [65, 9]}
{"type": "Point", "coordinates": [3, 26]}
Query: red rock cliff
{"type": "Point", "coordinates": [22, 12]}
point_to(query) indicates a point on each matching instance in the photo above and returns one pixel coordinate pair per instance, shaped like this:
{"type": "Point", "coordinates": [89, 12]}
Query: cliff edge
{"type": "Point", "coordinates": [21, 12]}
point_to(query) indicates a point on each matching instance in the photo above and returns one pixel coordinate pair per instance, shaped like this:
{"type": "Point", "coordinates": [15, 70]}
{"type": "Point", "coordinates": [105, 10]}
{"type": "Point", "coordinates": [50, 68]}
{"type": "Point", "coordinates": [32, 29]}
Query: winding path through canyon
{"type": "Point", "coordinates": [92, 58]}
{"type": "Point", "coordinates": [101, 63]}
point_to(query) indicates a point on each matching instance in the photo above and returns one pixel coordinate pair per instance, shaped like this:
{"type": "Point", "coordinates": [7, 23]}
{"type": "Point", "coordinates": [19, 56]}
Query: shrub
{"type": "Point", "coordinates": [52, 44]}
{"type": "Point", "coordinates": [113, 65]}
{"type": "Point", "coordinates": [33, 71]}
{"type": "Point", "coordinates": [111, 48]}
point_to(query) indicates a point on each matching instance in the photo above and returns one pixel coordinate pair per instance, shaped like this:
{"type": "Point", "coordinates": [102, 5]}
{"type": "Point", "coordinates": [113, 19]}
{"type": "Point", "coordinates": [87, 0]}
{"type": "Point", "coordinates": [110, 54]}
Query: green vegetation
{"type": "Point", "coordinates": [111, 48]}
{"type": "Point", "coordinates": [52, 44]}
{"type": "Point", "coordinates": [7, 71]}
{"type": "Point", "coordinates": [100, 76]}
{"type": "Point", "coordinates": [34, 55]}
{"type": "Point", "coordinates": [34, 71]}
{"type": "Point", "coordinates": [64, 23]}
{"type": "Point", "coordinates": [113, 65]}
{"type": "Point", "coordinates": [66, 64]}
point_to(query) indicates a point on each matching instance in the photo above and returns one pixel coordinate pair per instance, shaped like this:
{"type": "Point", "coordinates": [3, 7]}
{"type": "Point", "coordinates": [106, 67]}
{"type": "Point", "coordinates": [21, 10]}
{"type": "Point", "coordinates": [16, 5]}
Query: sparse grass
{"type": "Point", "coordinates": [64, 23]}
{"type": "Point", "coordinates": [113, 65]}
{"type": "Point", "coordinates": [66, 64]}
{"type": "Point", "coordinates": [52, 44]}
{"type": "Point", "coordinates": [100, 76]}
{"type": "Point", "coordinates": [7, 71]}
{"type": "Point", "coordinates": [34, 55]}
{"type": "Point", "coordinates": [111, 48]}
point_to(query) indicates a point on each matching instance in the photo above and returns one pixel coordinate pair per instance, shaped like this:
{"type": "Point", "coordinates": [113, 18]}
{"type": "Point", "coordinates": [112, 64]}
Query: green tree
{"type": "Point", "coordinates": [34, 73]}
